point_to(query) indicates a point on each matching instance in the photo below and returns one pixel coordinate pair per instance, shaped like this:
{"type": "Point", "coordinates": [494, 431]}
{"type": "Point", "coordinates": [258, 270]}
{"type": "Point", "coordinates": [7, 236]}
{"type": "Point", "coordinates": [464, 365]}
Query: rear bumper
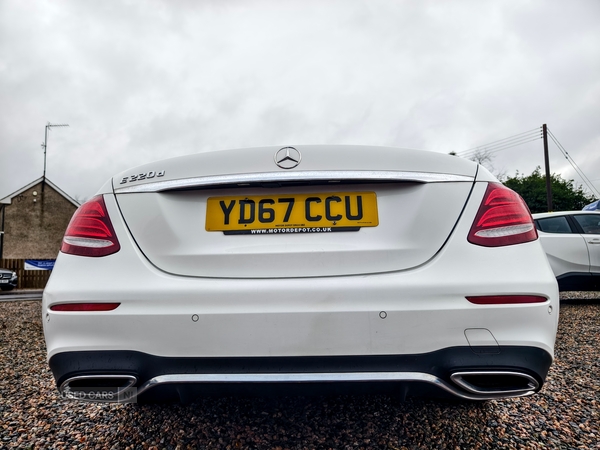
{"type": "Point", "coordinates": [456, 372]}
{"type": "Point", "coordinates": [396, 315]}
{"type": "Point", "coordinates": [385, 314]}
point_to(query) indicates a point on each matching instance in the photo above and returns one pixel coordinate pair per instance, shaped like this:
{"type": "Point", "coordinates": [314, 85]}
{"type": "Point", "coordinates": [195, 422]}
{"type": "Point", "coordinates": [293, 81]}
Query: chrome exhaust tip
{"type": "Point", "coordinates": [100, 388]}
{"type": "Point", "coordinates": [504, 383]}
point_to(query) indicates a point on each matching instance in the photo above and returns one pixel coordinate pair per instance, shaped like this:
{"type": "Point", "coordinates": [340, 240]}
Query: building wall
{"type": "Point", "coordinates": [34, 230]}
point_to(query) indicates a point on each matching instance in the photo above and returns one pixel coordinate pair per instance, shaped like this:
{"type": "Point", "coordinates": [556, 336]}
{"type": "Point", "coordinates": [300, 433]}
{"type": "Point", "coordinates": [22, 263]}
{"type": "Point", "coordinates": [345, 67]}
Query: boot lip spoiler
{"type": "Point", "coordinates": [331, 176]}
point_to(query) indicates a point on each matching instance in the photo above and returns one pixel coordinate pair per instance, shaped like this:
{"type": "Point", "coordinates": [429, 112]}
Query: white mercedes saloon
{"type": "Point", "coordinates": [282, 270]}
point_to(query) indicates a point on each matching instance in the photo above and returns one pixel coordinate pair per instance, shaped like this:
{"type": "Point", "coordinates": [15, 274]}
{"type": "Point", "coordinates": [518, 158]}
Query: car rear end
{"type": "Point", "coordinates": [358, 266]}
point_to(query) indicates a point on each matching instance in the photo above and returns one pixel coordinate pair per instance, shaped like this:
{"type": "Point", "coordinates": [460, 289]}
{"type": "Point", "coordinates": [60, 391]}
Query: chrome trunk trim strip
{"type": "Point", "coordinates": [333, 176]}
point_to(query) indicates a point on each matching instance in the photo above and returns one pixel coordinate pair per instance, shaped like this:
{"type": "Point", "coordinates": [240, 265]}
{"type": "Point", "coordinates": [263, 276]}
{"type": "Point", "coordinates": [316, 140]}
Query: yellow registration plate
{"type": "Point", "coordinates": [292, 213]}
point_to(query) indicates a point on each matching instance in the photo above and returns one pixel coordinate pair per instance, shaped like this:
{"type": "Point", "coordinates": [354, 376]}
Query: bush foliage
{"type": "Point", "coordinates": [565, 195]}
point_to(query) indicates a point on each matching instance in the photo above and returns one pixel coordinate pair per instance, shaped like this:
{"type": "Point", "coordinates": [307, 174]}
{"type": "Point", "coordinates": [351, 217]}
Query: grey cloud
{"type": "Point", "coordinates": [138, 82]}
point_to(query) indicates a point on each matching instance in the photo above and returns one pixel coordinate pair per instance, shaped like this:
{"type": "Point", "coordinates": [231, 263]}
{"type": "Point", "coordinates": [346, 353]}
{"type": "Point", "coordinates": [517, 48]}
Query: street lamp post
{"type": "Point", "coordinates": [49, 126]}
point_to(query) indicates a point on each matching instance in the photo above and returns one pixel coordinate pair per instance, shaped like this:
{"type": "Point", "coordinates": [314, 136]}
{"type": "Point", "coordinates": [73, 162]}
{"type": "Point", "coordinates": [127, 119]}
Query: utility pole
{"type": "Point", "coordinates": [547, 162]}
{"type": "Point", "coordinates": [44, 145]}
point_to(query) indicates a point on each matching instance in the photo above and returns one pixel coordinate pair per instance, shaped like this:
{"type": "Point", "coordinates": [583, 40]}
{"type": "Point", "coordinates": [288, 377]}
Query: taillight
{"type": "Point", "coordinates": [90, 232]}
{"type": "Point", "coordinates": [503, 219]}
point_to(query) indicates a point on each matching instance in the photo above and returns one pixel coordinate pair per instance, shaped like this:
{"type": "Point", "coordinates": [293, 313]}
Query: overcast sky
{"type": "Point", "coordinates": [141, 81]}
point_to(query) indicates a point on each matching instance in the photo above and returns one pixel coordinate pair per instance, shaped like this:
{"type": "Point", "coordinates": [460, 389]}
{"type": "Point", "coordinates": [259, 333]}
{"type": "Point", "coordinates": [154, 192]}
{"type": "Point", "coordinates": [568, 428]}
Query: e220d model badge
{"type": "Point", "coordinates": [142, 176]}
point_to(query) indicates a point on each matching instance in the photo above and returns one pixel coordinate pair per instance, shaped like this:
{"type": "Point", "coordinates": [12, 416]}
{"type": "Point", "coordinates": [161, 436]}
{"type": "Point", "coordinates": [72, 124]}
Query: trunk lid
{"type": "Point", "coordinates": [344, 210]}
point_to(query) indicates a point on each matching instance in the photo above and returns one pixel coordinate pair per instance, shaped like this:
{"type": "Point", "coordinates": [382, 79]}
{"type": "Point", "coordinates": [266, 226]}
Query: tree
{"type": "Point", "coordinates": [565, 195]}
{"type": "Point", "coordinates": [485, 158]}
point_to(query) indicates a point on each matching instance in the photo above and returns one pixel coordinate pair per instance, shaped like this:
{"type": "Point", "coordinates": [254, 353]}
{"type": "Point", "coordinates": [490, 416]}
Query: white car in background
{"type": "Point", "coordinates": [312, 266]}
{"type": "Point", "coordinates": [571, 240]}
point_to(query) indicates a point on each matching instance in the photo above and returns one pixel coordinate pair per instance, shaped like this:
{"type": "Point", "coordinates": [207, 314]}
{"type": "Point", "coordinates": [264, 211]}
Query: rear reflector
{"type": "Point", "coordinates": [503, 219]}
{"type": "Point", "coordinates": [90, 232]}
{"type": "Point", "coordinates": [85, 307]}
{"type": "Point", "coordinates": [506, 299]}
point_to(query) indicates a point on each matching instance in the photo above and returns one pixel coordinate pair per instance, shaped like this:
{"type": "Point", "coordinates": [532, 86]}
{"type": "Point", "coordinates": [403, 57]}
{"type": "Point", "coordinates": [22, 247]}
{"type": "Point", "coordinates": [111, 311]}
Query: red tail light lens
{"type": "Point", "coordinates": [506, 299]}
{"type": "Point", "coordinates": [78, 307]}
{"type": "Point", "coordinates": [503, 219]}
{"type": "Point", "coordinates": [90, 232]}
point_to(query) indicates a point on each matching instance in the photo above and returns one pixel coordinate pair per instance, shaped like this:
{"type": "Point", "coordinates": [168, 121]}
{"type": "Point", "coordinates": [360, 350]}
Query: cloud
{"type": "Point", "coordinates": [139, 82]}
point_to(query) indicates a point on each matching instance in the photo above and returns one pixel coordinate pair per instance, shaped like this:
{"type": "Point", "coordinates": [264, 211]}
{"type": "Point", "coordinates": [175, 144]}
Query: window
{"type": "Point", "coordinates": [554, 225]}
{"type": "Point", "coordinates": [590, 223]}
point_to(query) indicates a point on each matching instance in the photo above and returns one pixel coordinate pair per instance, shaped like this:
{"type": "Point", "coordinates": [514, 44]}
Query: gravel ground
{"type": "Point", "coordinates": [563, 415]}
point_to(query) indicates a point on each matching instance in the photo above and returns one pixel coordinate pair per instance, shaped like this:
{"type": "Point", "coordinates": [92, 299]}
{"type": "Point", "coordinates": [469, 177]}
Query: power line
{"type": "Point", "coordinates": [504, 139]}
{"type": "Point", "coordinates": [507, 145]}
{"type": "Point", "coordinates": [507, 142]}
{"type": "Point", "coordinates": [504, 142]}
{"type": "Point", "coordinates": [523, 138]}
{"type": "Point", "coordinates": [575, 166]}
{"type": "Point", "coordinates": [490, 151]}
